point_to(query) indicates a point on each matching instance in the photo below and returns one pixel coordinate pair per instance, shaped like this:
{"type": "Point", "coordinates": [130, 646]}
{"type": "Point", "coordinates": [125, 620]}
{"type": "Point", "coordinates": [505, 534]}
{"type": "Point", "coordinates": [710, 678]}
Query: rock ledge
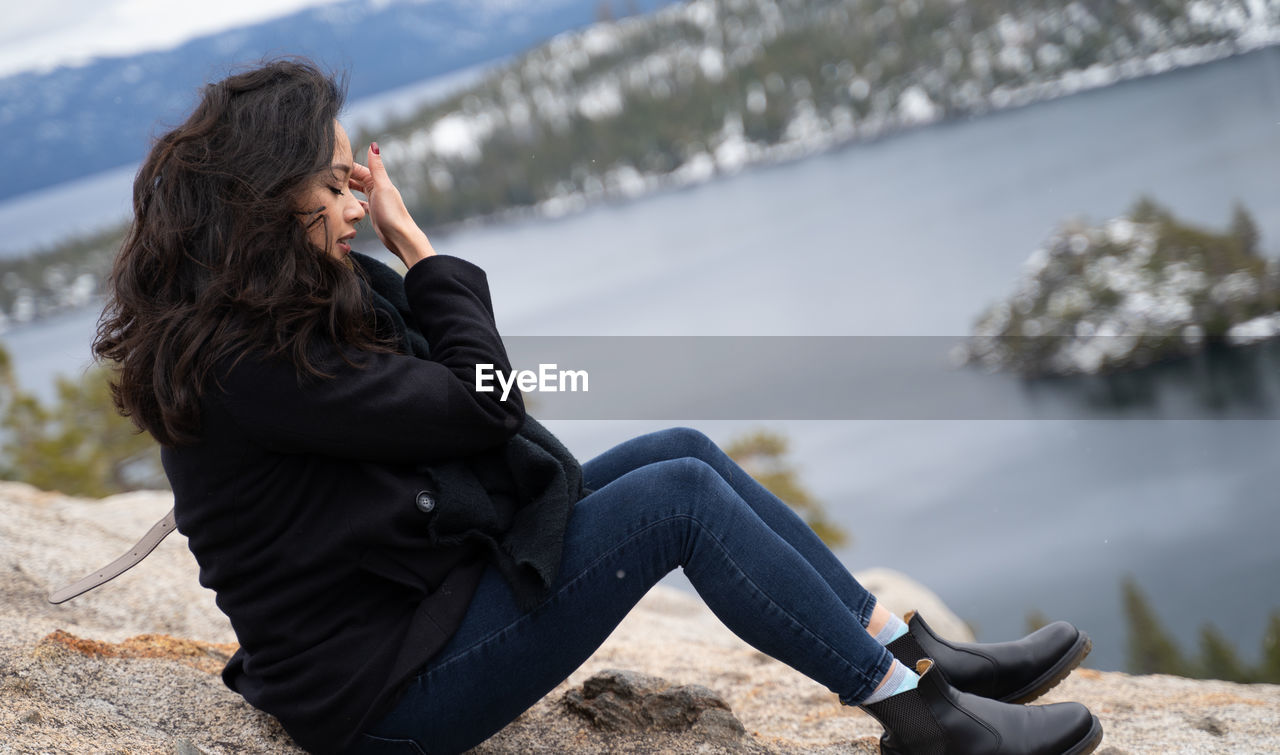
{"type": "Point", "coordinates": [132, 668]}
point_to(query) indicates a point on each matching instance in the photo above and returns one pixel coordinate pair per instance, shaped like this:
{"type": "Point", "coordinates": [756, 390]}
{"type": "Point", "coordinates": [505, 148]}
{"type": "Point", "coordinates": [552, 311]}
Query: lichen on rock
{"type": "Point", "coordinates": [209, 657]}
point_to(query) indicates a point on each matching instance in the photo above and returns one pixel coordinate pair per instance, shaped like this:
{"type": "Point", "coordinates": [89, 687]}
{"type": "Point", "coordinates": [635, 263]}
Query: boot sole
{"type": "Point", "coordinates": [1054, 676]}
{"type": "Point", "coordinates": [1090, 742]}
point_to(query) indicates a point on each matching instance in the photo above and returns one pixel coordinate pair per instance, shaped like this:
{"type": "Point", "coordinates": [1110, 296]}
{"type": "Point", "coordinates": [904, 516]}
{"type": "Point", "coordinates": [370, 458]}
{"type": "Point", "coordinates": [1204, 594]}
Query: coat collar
{"type": "Point", "coordinates": [391, 304]}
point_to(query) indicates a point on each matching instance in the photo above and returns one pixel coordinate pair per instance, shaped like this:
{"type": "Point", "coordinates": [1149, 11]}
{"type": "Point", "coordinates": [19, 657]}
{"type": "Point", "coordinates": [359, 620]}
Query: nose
{"type": "Point", "coordinates": [354, 211]}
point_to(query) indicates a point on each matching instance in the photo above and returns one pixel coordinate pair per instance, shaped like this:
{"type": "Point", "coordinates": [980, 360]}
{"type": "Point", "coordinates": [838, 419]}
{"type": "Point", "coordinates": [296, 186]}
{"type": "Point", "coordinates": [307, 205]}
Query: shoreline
{"type": "Point", "coordinates": [695, 172]}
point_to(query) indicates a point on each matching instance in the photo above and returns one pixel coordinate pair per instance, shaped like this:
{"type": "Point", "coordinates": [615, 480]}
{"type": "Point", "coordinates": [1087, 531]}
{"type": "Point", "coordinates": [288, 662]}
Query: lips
{"type": "Point", "coordinates": [344, 243]}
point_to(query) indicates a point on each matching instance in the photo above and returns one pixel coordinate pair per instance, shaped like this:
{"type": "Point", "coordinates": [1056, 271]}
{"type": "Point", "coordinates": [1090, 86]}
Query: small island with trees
{"type": "Point", "coordinates": [1139, 289]}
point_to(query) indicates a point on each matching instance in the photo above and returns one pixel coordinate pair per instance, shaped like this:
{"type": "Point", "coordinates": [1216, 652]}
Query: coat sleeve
{"type": "Point", "coordinates": [390, 407]}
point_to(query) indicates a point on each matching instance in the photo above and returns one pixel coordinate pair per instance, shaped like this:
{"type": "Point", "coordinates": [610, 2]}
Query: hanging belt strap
{"type": "Point", "coordinates": [159, 531]}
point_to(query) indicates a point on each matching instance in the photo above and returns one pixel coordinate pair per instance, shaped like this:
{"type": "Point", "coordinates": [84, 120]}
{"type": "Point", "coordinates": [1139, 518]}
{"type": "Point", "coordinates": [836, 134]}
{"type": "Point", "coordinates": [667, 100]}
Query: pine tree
{"type": "Point", "coordinates": [1269, 669]}
{"type": "Point", "coordinates": [763, 455]}
{"type": "Point", "coordinates": [1145, 210]}
{"type": "Point", "coordinates": [1218, 658]}
{"type": "Point", "coordinates": [1245, 230]}
{"type": "Point", "coordinates": [1151, 649]}
{"type": "Point", "coordinates": [79, 445]}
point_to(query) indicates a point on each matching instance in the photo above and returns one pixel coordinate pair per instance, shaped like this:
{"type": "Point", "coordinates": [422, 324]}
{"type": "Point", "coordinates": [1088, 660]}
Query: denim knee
{"type": "Point", "coordinates": [698, 492]}
{"type": "Point", "coordinates": [688, 473]}
{"type": "Point", "coordinates": [681, 485]}
{"type": "Point", "coordinates": [687, 441]}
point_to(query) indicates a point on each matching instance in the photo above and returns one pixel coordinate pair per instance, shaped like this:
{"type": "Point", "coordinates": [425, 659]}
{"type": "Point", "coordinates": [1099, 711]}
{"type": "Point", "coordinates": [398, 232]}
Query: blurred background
{"type": "Point", "coordinates": [1072, 204]}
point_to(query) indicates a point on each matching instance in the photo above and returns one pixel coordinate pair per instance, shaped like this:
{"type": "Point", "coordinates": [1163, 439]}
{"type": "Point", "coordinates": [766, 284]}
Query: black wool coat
{"type": "Point", "coordinates": [344, 522]}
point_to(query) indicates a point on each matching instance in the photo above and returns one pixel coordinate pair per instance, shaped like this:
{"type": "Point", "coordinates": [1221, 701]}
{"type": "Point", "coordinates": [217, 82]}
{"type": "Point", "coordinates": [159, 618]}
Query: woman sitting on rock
{"type": "Point", "coordinates": [409, 563]}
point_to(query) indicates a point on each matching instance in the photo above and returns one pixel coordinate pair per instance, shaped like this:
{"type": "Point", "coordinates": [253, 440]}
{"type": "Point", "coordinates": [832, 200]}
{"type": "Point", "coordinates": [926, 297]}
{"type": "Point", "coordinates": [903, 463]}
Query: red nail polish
{"type": "Point", "coordinates": [375, 148]}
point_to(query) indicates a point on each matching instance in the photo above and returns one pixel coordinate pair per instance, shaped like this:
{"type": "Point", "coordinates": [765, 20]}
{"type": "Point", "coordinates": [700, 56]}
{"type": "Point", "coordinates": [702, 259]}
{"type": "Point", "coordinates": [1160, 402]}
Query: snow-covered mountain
{"type": "Point", "coordinates": [710, 86]}
{"type": "Point", "coordinates": [77, 120]}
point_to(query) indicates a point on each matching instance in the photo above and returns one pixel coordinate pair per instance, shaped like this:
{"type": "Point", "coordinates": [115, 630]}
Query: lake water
{"type": "Point", "coordinates": [912, 236]}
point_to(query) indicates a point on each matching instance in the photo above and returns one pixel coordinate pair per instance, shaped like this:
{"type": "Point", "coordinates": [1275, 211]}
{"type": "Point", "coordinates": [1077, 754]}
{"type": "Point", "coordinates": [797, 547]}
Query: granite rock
{"type": "Point", "coordinates": [131, 668]}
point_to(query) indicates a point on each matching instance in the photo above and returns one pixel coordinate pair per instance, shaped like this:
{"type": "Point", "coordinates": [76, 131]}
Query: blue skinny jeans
{"type": "Point", "coordinates": [666, 499]}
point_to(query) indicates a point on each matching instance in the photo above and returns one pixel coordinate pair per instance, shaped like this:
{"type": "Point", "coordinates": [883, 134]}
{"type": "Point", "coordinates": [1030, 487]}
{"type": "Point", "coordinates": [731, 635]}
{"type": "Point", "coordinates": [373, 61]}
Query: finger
{"type": "Point", "coordinates": [377, 173]}
{"type": "Point", "coordinates": [360, 173]}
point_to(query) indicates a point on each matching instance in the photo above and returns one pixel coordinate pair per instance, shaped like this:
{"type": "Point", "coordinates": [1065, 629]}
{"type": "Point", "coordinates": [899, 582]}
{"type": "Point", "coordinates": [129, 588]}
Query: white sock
{"type": "Point", "coordinates": [898, 680]}
{"type": "Point", "coordinates": [892, 630]}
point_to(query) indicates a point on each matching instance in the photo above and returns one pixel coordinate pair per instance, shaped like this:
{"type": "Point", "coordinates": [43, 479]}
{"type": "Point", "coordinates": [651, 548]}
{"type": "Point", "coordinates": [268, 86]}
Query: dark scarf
{"type": "Point", "coordinates": [524, 537]}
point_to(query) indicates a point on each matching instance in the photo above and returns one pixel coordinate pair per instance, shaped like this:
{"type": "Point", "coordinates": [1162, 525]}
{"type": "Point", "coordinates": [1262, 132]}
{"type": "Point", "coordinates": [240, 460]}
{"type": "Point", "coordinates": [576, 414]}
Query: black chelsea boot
{"type": "Point", "coordinates": [937, 719]}
{"type": "Point", "coordinates": [1010, 672]}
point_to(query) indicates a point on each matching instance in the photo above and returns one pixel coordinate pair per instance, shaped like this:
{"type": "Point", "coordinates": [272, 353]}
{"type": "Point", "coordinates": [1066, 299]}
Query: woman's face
{"type": "Point", "coordinates": [330, 211]}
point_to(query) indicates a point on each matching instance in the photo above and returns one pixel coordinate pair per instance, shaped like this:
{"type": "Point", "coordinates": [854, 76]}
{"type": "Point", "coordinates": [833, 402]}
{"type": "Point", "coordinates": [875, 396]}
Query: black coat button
{"type": "Point", "coordinates": [425, 501]}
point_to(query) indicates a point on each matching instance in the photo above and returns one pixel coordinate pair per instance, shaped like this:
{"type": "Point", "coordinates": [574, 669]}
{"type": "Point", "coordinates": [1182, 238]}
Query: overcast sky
{"type": "Point", "coordinates": [46, 33]}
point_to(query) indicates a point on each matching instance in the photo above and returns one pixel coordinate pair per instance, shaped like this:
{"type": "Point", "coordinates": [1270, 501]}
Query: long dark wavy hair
{"type": "Point", "coordinates": [217, 261]}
